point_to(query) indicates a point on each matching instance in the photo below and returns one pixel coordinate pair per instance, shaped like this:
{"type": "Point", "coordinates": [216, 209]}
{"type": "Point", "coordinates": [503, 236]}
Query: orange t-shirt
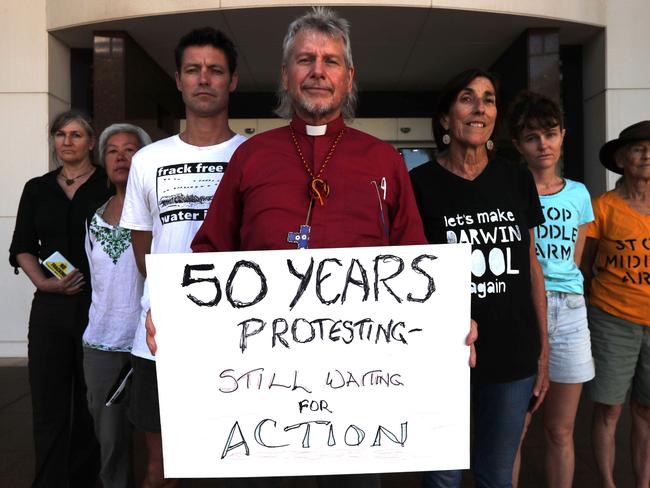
{"type": "Point", "coordinates": [621, 286]}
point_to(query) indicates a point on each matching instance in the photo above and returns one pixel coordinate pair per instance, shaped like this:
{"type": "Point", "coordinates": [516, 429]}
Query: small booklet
{"type": "Point", "coordinates": [116, 393]}
{"type": "Point", "coordinates": [58, 265]}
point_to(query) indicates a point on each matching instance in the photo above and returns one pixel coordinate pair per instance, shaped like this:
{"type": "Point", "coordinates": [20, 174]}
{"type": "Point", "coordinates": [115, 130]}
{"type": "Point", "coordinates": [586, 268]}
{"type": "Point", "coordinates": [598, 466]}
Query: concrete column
{"type": "Point", "coordinates": [543, 62]}
{"type": "Point", "coordinates": [109, 83]}
{"type": "Point", "coordinates": [627, 76]}
{"type": "Point", "coordinates": [616, 83]}
{"type": "Point", "coordinates": [130, 87]}
{"type": "Point", "coordinates": [531, 62]}
{"type": "Point", "coordinates": [34, 85]}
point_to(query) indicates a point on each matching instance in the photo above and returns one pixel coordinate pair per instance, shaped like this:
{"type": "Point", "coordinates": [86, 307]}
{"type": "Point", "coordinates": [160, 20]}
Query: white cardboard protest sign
{"type": "Point", "coordinates": [323, 361]}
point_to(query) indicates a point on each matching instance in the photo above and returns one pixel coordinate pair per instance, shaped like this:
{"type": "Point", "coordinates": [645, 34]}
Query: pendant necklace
{"type": "Point", "coordinates": [70, 181]}
{"type": "Point", "coordinates": [318, 189]}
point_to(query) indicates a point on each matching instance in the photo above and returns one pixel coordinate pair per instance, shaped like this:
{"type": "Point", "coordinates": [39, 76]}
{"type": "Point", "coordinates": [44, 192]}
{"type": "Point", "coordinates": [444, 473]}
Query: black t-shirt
{"type": "Point", "coordinates": [494, 213]}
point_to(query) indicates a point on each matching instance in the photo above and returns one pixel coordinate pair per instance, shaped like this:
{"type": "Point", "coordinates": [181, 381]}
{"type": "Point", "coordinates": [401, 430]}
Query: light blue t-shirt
{"type": "Point", "coordinates": [555, 240]}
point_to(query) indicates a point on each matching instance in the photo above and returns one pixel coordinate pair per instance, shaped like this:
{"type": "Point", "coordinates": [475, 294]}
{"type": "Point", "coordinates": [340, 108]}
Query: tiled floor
{"type": "Point", "coordinates": [16, 457]}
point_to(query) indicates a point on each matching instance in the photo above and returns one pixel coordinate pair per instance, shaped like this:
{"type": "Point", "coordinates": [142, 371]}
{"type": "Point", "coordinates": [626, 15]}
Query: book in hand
{"type": "Point", "coordinates": [58, 265]}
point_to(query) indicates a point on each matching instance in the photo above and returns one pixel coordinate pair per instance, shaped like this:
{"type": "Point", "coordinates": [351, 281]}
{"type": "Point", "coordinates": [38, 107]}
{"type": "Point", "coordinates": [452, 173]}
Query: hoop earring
{"type": "Point", "coordinates": [489, 144]}
{"type": "Point", "coordinates": [446, 139]}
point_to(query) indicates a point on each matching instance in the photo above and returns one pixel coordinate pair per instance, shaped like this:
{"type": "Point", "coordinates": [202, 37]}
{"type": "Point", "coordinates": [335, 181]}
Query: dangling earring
{"type": "Point", "coordinates": [489, 144]}
{"type": "Point", "coordinates": [446, 139]}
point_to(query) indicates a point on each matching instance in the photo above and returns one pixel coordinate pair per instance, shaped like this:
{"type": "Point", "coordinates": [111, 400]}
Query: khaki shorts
{"type": "Point", "coordinates": [621, 351]}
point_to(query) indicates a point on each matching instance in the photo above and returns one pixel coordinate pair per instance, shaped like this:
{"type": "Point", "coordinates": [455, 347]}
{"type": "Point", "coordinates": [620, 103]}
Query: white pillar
{"type": "Point", "coordinates": [34, 84]}
{"type": "Point", "coordinates": [617, 83]}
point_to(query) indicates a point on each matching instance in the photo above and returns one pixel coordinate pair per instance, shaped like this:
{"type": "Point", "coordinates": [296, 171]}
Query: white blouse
{"type": "Point", "coordinates": [116, 286]}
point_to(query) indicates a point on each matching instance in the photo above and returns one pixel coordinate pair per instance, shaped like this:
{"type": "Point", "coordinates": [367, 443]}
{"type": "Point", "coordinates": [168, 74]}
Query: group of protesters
{"type": "Point", "coordinates": [110, 201]}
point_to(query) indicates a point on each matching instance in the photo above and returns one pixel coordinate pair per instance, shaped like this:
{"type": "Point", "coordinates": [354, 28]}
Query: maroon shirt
{"type": "Point", "coordinates": [263, 194]}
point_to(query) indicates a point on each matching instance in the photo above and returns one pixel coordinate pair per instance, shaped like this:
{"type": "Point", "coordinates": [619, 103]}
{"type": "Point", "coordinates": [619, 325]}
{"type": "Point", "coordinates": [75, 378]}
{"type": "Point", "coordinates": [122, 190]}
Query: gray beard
{"type": "Point", "coordinates": [313, 109]}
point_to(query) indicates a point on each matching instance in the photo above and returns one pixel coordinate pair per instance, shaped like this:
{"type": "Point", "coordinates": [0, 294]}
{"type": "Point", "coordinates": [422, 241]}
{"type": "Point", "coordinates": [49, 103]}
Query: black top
{"type": "Point", "coordinates": [48, 221]}
{"type": "Point", "coordinates": [494, 213]}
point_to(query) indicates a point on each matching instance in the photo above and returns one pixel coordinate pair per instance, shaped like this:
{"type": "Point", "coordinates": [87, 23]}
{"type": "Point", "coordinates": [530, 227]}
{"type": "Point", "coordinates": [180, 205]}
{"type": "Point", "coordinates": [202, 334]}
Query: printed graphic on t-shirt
{"type": "Point", "coordinates": [492, 234]}
{"type": "Point", "coordinates": [185, 190]}
{"type": "Point", "coordinates": [555, 238]}
{"type": "Point", "coordinates": [632, 258]}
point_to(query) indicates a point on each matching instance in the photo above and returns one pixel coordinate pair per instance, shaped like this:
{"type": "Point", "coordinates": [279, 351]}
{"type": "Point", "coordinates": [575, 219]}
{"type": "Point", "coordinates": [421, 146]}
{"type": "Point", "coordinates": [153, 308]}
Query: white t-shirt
{"type": "Point", "coordinates": [170, 188]}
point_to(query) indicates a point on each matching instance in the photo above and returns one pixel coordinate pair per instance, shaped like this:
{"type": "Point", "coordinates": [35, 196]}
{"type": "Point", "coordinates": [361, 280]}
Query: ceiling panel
{"type": "Point", "coordinates": [395, 48]}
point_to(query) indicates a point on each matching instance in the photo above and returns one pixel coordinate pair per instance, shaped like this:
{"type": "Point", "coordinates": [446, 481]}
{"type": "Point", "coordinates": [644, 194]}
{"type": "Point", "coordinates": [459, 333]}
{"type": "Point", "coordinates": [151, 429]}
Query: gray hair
{"type": "Point", "coordinates": [63, 119]}
{"type": "Point", "coordinates": [113, 129]}
{"type": "Point", "coordinates": [325, 21]}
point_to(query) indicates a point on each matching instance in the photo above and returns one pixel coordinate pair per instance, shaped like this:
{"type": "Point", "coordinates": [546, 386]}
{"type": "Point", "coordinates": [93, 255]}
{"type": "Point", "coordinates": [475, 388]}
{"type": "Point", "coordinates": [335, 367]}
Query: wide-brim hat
{"type": "Point", "coordinates": [636, 132]}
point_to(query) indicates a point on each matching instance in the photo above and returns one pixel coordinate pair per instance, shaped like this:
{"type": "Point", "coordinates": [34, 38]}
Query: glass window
{"type": "Point", "coordinates": [415, 156]}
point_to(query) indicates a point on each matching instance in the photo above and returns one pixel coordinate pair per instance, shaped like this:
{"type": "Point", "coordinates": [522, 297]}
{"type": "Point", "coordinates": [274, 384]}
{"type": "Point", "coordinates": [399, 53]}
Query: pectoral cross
{"type": "Point", "coordinates": [300, 238]}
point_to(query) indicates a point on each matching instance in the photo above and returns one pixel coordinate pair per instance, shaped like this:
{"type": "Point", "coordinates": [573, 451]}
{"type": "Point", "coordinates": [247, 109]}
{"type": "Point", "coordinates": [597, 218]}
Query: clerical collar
{"type": "Point", "coordinates": [316, 130]}
{"type": "Point", "coordinates": [330, 129]}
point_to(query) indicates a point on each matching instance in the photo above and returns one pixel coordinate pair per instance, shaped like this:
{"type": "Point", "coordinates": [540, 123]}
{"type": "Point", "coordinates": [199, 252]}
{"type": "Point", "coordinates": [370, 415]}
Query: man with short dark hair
{"type": "Point", "coordinates": [170, 187]}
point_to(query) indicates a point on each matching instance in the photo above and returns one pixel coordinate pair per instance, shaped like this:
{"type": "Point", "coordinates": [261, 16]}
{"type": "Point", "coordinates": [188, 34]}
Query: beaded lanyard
{"type": "Point", "coordinates": [318, 189]}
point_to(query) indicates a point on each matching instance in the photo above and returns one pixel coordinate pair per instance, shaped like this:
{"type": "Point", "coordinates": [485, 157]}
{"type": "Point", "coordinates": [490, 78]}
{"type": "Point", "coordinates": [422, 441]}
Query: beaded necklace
{"type": "Point", "coordinates": [318, 188]}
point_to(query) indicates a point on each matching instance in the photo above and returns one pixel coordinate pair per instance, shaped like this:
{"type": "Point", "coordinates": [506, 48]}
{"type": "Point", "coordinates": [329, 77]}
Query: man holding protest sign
{"type": "Point", "coordinates": [170, 186]}
{"type": "Point", "coordinates": [315, 183]}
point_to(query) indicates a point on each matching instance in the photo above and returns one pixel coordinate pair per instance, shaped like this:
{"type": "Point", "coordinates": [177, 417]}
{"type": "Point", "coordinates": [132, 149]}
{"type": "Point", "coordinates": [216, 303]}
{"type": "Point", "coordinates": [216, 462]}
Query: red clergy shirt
{"type": "Point", "coordinates": [263, 194]}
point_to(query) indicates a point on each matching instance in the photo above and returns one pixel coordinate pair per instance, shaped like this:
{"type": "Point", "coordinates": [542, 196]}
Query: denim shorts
{"type": "Point", "coordinates": [570, 359]}
{"type": "Point", "coordinates": [622, 355]}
